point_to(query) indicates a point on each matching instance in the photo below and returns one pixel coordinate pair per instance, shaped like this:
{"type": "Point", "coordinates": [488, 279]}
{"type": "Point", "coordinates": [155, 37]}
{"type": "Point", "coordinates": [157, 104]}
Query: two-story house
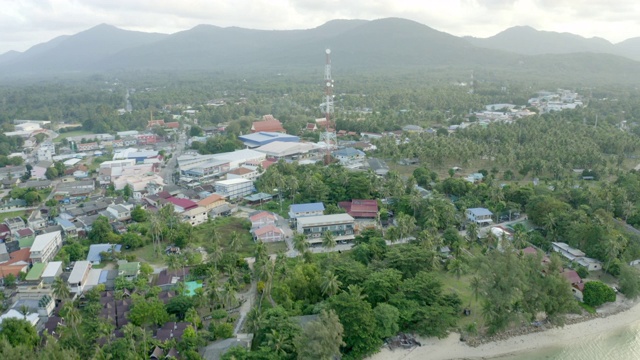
{"type": "Point", "coordinates": [480, 216]}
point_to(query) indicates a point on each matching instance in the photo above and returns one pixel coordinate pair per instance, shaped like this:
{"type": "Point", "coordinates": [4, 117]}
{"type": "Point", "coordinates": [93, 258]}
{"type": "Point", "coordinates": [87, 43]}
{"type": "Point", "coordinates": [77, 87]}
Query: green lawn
{"type": "Point", "coordinates": [11, 214]}
{"type": "Point", "coordinates": [274, 248]}
{"type": "Point", "coordinates": [71, 133]}
{"type": "Point", "coordinates": [147, 254]}
{"type": "Point", "coordinates": [225, 227]}
{"type": "Point", "coordinates": [462, 288]}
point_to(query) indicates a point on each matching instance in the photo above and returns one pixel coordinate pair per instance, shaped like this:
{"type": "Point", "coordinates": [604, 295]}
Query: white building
{"type": "Point", "coordinates": [79, 275]}
{"type": "Point", "coordinates": [195, 216]}
{"type": "Point", "coordinates": [234, 188]}
{"type": "Point", "coordinates": [575, 255]}
{"type": "Point", "coordinates": [53, 270]}
{"type": "Point", "coordinates": [45, 247]}
{"type": "Point", "coordinates": [480, 216]}
{"type": "Point", "coordinates": [46, 151]}
{"type": "Point", "coordinates": [341, 226]}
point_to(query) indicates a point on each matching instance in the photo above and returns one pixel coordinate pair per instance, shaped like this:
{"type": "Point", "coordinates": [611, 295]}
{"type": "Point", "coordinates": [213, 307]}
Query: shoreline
{"type": "Point", "coordinates": [451, 348]}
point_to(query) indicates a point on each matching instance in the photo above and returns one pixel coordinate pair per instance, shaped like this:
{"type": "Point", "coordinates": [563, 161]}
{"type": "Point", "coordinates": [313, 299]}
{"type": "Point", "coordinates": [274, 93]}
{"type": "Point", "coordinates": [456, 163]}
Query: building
{"type": "Point", "coordinates": [181, 205]}
{"type": "Point", "coordinates": [263, 138]}
{"type": "Point", "coordinates": [341, 226]}
{"type": "Point", "coordinates": [45, 247]}
{"type": "Point", "coordinates": [348, 155]}
{"type": "Point", "coordinates": [234, 188]}
{"type": "Point", "coordinates": [268, 233]}
{"type": "Point", "coordinates": [46, 151]}
{"type": "Point", "coordinates": [212, 201]}
{"type": "Point", "coordinates": [288, 150]}
{"type": "Point", "coordinates": [202, 168]}
{"type": "Point", "coordinates": [267, 124]}
{"type": "Point", "coordinates": [14, 171]}
{"type": "Point", "coordinates": [577, 256]}
{"type": "Point", "coordinates": [94, 256]}
{"type": "Point", "coordinates": [146, 139]}
{"type": "Point", "coordinates": [39, 169]}
{"type": "Point", "coordinates": [242, 173]}
{"type": "Point", "coordinates": [378, 166]}
{"type": "Point", "coordinates": [364, 209]}
{"type": "Point", "coordinates": [481, 216]}
{"type": "Point", "coordinates": [301, 210]}
{"type": "Point", "coordinates": [262, 218]}
{"type": "Point", "coordinates": [79, 275]}
{"type": "Point", "coordinates": [130, 270]}
{"type": "Point", "coordinates": [195, 216]}
{"type": "Point", "coordinates": [577, 285]}
{"type": "Point", "coordinates": [4, 254]}
{"type": "Point", "coordinates": [51, 272]}
{"type": "Point", "coordinates": [88, 146]}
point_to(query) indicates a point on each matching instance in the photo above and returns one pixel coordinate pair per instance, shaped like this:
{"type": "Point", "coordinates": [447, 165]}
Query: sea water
{"type": "Point", "coordinates": [623, 344]}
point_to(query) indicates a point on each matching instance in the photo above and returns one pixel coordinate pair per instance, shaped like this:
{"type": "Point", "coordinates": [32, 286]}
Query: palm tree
{"type": "Point", "coordinates": [472, 232]}
{"type": "Point", "coordinates": [279, 343]}
{"type": "Point", "coordinates": [24, 310]}
{"type": "Point", "coordinates": [457, 268]}
{"type": "Point", "coordinates": [72, 316]}
{"type": "Point", "coordinates": [330, 284]}
{"type": "Point", "coordinates": [234, 242]}
{"type": "Point", "coordinates": [61, 289]}
{"type": "Point", "coordinates": [300, 243]}
{"type": "Point", "coordinates": [475, 285]}
{"type": "Point", "coordinates": [328, 240]}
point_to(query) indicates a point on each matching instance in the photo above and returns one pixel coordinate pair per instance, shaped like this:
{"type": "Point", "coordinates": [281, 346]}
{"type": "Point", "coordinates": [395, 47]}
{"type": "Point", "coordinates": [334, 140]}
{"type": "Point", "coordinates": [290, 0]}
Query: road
{"type": "Point", "coordinates": [170, 167]}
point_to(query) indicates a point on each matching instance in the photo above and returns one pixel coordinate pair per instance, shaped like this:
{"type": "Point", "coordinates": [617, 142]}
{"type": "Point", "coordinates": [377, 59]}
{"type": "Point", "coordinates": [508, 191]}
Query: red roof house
{"type": "Point", "coordinates": [268, 124]}
{"type": "Point", "coordinates": [269, 233]}
{"type": "Point", "coordinates": [172, 125]}
{"type": "Point", "coordinates": [182, 204]}
{"type": "Point", "coordinates": [152, 123]}
{"type": "Point", "coordinates": [262, 218]}
{"type": "Point", "coordinates": [361, 208]}
{"type": "Point", "coordinates": [573, 278]}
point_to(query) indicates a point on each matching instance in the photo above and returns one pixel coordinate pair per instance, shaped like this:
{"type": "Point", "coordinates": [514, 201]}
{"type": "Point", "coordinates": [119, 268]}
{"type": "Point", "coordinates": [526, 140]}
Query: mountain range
{"type": "Point", "coordinates": [384, 44]}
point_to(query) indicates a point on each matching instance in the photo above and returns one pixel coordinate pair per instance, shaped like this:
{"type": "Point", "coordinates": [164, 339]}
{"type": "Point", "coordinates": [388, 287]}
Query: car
{"type": "Point", "coordinates": [504, 218]}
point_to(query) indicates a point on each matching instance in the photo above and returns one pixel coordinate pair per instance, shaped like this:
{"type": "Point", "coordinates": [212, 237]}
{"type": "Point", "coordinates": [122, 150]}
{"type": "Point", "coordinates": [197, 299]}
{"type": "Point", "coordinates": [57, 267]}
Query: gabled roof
{"type": "Point", "coordinates": [298, 208]}
{"type": "Point", "coordinates": [186, 204]}
{"type": "Point", "coordinates": [480, 211]}
{"type": "Point", "coordinates": [210, 199]}
{"type": "Point", "coordinates": [267, 229]}
{"type": "Point", "coordinates": [268, 123]}
{"type": "Point", "coordinates": [573, 278]}
{"type": "Point", "coordinates": [360, 208]}
{"type": "Point", "coordinates": [241, 171]}
{"type": "Point", "coordinates": [172, 125]}
{"type": "Point", "coordinates": [42, 241]}
{"type": "Point", "coordinates": [349, 152]}
{"type": "Point", "coordinates": [260, 215]}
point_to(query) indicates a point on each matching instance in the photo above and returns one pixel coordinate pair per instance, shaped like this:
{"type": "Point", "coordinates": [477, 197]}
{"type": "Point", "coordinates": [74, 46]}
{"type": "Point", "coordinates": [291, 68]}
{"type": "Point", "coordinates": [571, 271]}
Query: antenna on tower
{"type": "Point", "coordinates": [329, 136]}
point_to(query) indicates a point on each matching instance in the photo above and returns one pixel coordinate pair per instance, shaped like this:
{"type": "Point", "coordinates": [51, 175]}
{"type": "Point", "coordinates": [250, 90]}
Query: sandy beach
{"type": "Point", "coordinates": [452, 348]}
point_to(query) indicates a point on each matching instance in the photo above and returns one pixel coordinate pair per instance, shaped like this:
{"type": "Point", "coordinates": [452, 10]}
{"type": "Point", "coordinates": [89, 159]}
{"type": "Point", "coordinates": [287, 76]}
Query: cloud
{"type": "Point", "coordinates": [28, 22]}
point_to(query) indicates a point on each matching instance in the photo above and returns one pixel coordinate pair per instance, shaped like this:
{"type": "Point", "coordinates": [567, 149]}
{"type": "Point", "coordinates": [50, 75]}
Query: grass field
{"type": "Point", "coordinates": [147, 254]}
{"type": "Point", "coordinates": [462, 288]}
{"type": "Point", "coordinates": [71, 133]}
{"type": "Point", "coordinates": [11, 214]}
{"type": "Point", "coordinates": [225, 227]}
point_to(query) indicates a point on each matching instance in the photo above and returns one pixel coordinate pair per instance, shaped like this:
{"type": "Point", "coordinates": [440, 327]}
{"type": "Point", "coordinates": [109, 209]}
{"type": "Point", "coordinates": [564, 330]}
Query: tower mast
{"type": "Point", "coordinates": [329, 136]}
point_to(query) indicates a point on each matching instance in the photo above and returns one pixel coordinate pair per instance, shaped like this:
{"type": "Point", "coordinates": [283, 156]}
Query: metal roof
{"type": "Point", "coordinates": [298, 208]}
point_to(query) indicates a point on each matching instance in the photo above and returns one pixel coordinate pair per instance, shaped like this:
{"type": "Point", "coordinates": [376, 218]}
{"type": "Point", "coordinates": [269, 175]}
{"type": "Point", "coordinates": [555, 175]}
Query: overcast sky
{"type": "Point", "coordinates": [24, 23]}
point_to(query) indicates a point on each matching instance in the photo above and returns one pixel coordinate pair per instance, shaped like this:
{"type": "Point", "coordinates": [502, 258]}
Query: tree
{"type": "Point", "coordinates": [148, 312]}
{"type": "Point", "coordinates": [60, 289]}
{"type": "Point", "coordinates": [19, 332]}
{"type": "Point", "coordinates": [457, 268]}
{"type": "Point", "coordinates": [101, 231]}
{"type": "Point", "coordinates": [359, 322]}
{"type": "Point", "coordinates": [596, 293]}
{"type": "Point", "coordinates": [387, 317]}
{"type": "Point", "coordinates": [629, 280]}
{"type": "Point", "coordinates": [51, 173]}
{"type": "Point", "coordinates": [320, 339]}
{"type": "Point", "coordinates": [9, 280]}
{"type": "Point", "coordinates": [328, 240]}
{"type": "Point", "coordinates": [300, 243]}
{"type": "Point", "coordinates": [330, 284]}
{"type": "Point", "coordinates": [138, 214]}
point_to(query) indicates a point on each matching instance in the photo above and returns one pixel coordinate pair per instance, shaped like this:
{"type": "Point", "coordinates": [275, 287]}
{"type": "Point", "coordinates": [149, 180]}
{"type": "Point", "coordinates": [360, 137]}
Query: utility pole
{"type": "Point", "coordinates": [329, 136]}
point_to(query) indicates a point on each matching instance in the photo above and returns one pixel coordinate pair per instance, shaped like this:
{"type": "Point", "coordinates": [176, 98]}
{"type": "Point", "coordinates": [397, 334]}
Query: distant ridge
{"type": "Point", "coordinates": [362, 45]}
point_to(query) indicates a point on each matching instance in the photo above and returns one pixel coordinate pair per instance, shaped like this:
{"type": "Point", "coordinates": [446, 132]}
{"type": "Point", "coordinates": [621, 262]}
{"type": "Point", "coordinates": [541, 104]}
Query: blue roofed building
{"type": "Point", "coordinates": [349, 154]}
{"type": "Point", "coordinates": [96, 249]}
{"type": "Point", "coordinates": [303, 210]}
{"type": "Point", "coordinates": [263, 138]}
{"type": "Point", "coordinates": [68, 228]}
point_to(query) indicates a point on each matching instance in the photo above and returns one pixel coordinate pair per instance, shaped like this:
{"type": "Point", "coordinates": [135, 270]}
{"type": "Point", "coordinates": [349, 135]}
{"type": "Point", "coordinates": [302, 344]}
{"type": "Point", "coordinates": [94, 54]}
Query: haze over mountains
{"type": "Point", "coordinates": [390, 43]}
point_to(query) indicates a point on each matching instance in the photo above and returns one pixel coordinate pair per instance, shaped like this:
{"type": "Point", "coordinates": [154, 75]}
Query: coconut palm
{"type": "Point", "coordinates": [328, 240]}
{"type": "Point", "coordinates": [457, 268]}
{"type": "Point", "coordinates": [61, 289]}
{"type": "Point", "coordinates": [280, 343]}
{"type": "Point", "coordinates": [300, 243]}
{"type": "Point", "coordinates": [330, 284]}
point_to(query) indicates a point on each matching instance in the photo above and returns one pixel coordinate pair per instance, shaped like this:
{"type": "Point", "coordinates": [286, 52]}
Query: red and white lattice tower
{"type": "Point", "coordinates": [329, 135]}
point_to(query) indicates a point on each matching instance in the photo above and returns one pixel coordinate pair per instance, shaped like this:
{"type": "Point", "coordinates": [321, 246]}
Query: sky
{"type": "Point", "coordinates": [24, 23]}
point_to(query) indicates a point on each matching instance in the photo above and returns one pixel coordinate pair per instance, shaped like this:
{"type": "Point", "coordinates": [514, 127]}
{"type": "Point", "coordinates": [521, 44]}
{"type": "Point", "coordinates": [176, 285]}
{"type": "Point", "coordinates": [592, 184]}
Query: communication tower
{"type": "Point", "coordinates": [329, 135]}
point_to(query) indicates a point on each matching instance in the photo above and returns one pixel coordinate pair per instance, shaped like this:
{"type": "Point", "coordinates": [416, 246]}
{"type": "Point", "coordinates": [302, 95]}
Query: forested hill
{"type": "Point", "coordinates": [380, 45]}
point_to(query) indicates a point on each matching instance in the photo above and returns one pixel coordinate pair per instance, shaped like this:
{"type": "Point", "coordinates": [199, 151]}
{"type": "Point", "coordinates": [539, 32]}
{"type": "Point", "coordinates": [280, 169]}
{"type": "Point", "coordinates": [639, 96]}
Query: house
{"type": "Point", "coordinates": [212, 201]}
{"type": "Point", "coordinates": [195, 216]}
{"type": "Point", "coordinates": [119, 212]}
{"type": "Point", "coordinates": [480, 216]}
{"type": "Point", "coordinates": [15, 314]}
{"type": "Point", "coordinates": [311, 127]}
{"type": "Point", "coordinates": [39, 169]}
{"type": "Point", "coordinates": [349, 154]}
{"type": "Point", "coordinates": [45, 247]}
{"type": "Point", "coordinates": [172, 330]}
{"type": "Point", "coordinates": [130, 270]}
{"type": "Point", "coordinates": [8, 183]}
{"type": "Point", "coordinates": [181, 205]}
{"type": "Point", "coordinates": [367, 209]}
{"type": "Point", "coordinates": [262, 218]}
{"type": "Point", "coordinates": [68, 228]}
{"type": "Point", "coordinates": [4, 254]}
{"type": "Point", "coordinates": [577, 286]}
{"type": "Point", "coordinates": [301, 210]}
{"type": "Point", "coordinates": [268, 233]}
{"type": "Point", "coordinates": [234, 188]}
{"type": "Point", "coordinates": [341, 226]}
{"type": "Point", "coordinates": [79, 275]}
{"type": "Point", "coordinates": [267, 124]}
{"type": "Point", "coordinates": [577, 256]}
{"type": "Point", "coordinates": [475, 177]}
{"type": "Point", "coordinates": [95, 250]}
{"type": "Point", "coordinates": [34, 276]}
{"type": "Point", "coordinates": [15, 224]}
{"type": "Point", "coordinates": [51, 272]}
{"type": "Point", "coordinates": [242, 173]}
